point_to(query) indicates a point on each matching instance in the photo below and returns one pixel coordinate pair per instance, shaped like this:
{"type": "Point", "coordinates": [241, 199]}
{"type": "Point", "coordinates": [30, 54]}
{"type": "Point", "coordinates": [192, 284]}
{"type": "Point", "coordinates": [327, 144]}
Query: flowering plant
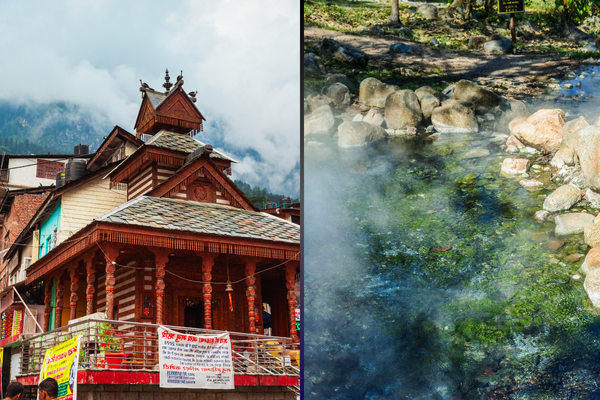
{"type": "Point", "coordinates": [108, 340]}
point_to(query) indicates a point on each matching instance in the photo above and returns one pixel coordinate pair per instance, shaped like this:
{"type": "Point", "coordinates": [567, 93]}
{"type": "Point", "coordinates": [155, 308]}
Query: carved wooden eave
{"type": "Point", "coordinates": [203, 166]}
{"type": "Point", "coordinates": [143, 157]}
{"type": "Point", "coordinates": [176, 112]}
{"type": "Point", "coordinates": [88, 239]}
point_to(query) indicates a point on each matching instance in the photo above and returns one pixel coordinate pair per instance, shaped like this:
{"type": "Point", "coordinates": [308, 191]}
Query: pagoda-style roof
{"type": "Point", "coordinates": [165, 146]}
{"type": "Point", "coordinates": [173, 110]}
{"type": "Point", "coordinates": [204, 218]}
{"type": "Point", "coordinates": [187, 144]}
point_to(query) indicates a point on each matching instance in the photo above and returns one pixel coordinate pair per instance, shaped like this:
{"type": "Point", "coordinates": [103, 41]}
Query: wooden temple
{"type": "Point", "coordinates": [184, 247]}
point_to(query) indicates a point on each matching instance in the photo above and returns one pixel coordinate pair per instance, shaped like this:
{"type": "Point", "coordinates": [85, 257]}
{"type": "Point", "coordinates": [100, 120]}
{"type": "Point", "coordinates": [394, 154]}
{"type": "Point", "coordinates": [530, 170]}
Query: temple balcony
{"type": "Point", "coordinates": [123, 352]}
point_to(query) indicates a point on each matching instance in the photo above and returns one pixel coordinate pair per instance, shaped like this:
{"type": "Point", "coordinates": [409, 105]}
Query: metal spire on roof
{"type": "Point", "coordinates": [167, 85]}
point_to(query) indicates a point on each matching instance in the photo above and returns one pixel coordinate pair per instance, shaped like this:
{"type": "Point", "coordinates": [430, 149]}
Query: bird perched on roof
{"type": "Point", "coordinates": [180, 77]}
{"type": "Point", "coordinates": [193, 96]}
{"type": "Point", "coordinates": [144, 86]}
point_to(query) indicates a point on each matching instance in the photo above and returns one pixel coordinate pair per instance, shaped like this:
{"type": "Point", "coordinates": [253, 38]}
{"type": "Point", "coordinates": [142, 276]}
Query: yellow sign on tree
{"type": "Point", "coordinates": [61, 363]}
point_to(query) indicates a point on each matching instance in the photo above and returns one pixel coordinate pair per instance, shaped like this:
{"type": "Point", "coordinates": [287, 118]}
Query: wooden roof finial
{"type": "Point", "coordinates": [167, 85]}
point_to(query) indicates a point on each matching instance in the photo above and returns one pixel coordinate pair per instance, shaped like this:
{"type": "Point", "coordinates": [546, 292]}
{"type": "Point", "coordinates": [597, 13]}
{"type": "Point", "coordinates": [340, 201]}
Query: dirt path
{"type": "Point", "coordinates": [514, 75]}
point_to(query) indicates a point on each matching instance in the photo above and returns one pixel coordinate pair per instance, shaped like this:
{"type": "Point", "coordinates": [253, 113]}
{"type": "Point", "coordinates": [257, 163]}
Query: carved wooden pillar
{"type": "Point", "coordinates": [111, 253]}
{"type": "Point", "coordinates": [208, 261]}
{"type": "Point", "coordinates": [74, 273]}
{"type": "Point", "coordinates": [251, 292]}
{"type": "Point", "coordinates": [161, 257]}
{"type": "Point", "coordinates": [90, 270]}
{"type": "Point", "coordinates": [290, 277]}
{"type": "Point", "coordinates": [47, 303]}
{"type": "Point", "coordinates": [60, 292]}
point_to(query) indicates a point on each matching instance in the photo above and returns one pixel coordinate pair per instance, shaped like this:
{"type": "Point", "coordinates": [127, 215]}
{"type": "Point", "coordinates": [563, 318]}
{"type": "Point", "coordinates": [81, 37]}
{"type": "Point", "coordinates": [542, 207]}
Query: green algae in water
{"type": "Point", "coordinates": [444, 294]}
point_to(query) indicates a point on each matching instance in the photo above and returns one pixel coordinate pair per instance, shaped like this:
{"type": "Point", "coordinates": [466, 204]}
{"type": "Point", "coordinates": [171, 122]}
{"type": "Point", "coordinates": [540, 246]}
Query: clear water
{"type": "Point", "coordinates": [427, 277]}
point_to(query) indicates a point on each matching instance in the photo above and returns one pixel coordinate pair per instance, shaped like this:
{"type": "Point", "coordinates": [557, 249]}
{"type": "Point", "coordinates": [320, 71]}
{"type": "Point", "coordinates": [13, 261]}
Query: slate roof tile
{"type": "Point", "coordinates": [205, 218]}
{"type": "Point", "coordinates": [183, 143]}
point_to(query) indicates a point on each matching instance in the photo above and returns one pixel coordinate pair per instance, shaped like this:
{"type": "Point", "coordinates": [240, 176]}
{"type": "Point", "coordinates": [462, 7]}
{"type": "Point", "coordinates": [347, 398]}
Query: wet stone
{"type": "Point", "coordinates": [572, 223]}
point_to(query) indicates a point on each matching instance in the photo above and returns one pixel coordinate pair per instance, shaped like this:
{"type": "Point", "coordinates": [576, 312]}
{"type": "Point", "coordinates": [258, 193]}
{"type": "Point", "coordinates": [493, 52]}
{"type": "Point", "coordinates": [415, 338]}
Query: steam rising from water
{"type": "Point", "coordinates": [423, 281]}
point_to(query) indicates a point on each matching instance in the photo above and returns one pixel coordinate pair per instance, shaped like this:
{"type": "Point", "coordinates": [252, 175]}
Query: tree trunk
{"type": "Point", "coordinates": [395, 18]}
{"type": "Point", "coordinates": [489, 8]}
{"type": "Point", "coordinates": [456, 3]}
{"type": "Point", "coordinates": [468, 10]}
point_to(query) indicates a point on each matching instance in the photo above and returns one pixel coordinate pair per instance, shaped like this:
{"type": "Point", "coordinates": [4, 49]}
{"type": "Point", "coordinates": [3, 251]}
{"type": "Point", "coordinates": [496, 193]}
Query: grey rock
{"type": "Point", "coordinates": [574, 34]}
{"type": "Point", "coordinates": [434, 42]}
{"type": "Point", "coordinates": [567, 86]}
{"type": "Point", "coordinates": [476, 153]}
{"type": "Point", "coordinates": [530, 26]}
{"type": "Point", "coordinates": [429, 103]}
{"type": "Point", "coordinates": [593, 197]}
{"type": "Point", "coordinates": [374, 117]}
{"type": "Point", "coordinates": [589, 155]}
{"type": "Point", "coordinates": [482, 99]}
{"type": "Point", "coordinates": [359, 134]}
{"type": "Point", "coordinates": [508, 110]}
{"type": "Point", "coordinates": [591, 284]}
{"type": "Point", "coordinates": [476, 42]}
{"type": "Point", "coordinates": [449, 91]}
{"type": "Point", "coordinates": [402, 110]}
{"type": "Point", "coordinates": [541, 215]}
{"type": "Point", "coordinates": [425, 90]}
{"type": "Point", "coordinates": [343, 52]}
{"type": "Point", "coordinates": [589, 48]}
{"type": "Point", "coordinates": [572, 223]}
{"type": "Point", "coordinates": [497, 36]}
{"type": "Point", "coordinates": [320, 122]}
{"type": "Point", "coordinates": [318, 101]}
{"type": "Point", "coordinates": [343, 79]}
{"type": "Point", "coordinates": [498, 46]}
{"type": "Point", "coordinates": [453, 117]}
{"type": "Point", "coordinates": [373, 92]}
{"type": "Point", "coordinates": [447, 15]}
{"type": "Point", "coordinates": [400, 48]}
{"type": "Point", "coordinates": [405, 33]}
{"type": "Point", "coordinates": [562, 198]}
{"type": "Point", "coordinates": [339, 93]}
{"type": "Point", "coordinates": [429, 11]}
{"type": "Point", "coordinates": [571, 140]}
{"type": "Point", "coordinates": [313, 65]}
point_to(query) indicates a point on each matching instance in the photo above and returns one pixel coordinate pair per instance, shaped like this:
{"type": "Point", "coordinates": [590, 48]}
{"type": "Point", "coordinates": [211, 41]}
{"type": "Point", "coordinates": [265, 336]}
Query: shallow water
{"type": "Point", "coordinates": [427, 277]}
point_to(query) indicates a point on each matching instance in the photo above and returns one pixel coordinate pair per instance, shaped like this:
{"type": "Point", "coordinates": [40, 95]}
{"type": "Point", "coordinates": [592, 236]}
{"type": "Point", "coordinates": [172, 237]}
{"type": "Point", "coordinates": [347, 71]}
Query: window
{"type": "Point", "coordinates": [48, 169]}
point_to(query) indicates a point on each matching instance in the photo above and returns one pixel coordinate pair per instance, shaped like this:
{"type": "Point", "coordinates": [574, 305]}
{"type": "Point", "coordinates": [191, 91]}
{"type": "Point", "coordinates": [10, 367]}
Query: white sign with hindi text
{"type": "Point", "coordinates": [195, 361]}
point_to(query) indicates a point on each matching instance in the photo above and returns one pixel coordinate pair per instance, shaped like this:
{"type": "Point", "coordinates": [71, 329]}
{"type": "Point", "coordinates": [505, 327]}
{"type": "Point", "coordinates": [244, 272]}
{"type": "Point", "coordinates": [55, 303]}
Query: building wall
{"type": "Point", "coordinates": [140, 183]}
{"type": "Point", "coordinates": [21, 211]}
{"type": "Point", "coordinates": [81, 205]}
{"type": "Point", "coordinates": [130, 148]}
{"type": "Point", "coordinates": [23, 172]}
{"type": "Point", "coordinates": [49, 226]}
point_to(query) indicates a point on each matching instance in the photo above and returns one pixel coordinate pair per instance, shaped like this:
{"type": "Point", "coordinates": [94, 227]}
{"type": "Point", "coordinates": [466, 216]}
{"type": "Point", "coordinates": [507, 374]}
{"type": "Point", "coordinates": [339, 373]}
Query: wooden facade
{"type": "Point", "coordinates": [158, 266]}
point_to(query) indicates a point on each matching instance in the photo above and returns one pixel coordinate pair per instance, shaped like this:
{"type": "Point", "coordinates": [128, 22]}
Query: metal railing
{"type": "Point", "coordinates": [124, 345]}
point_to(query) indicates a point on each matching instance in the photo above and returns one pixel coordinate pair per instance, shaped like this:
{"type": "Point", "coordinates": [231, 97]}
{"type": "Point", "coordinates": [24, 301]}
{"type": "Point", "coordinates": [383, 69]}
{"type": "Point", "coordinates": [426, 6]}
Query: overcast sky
{"type": "Point", "coordinates": [241, 56]}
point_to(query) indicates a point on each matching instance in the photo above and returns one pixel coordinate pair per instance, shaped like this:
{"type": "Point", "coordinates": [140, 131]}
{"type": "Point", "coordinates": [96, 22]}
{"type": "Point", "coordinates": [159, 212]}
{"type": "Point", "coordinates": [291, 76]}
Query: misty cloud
{"type": "Point", "coordinates": [241, 57]}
